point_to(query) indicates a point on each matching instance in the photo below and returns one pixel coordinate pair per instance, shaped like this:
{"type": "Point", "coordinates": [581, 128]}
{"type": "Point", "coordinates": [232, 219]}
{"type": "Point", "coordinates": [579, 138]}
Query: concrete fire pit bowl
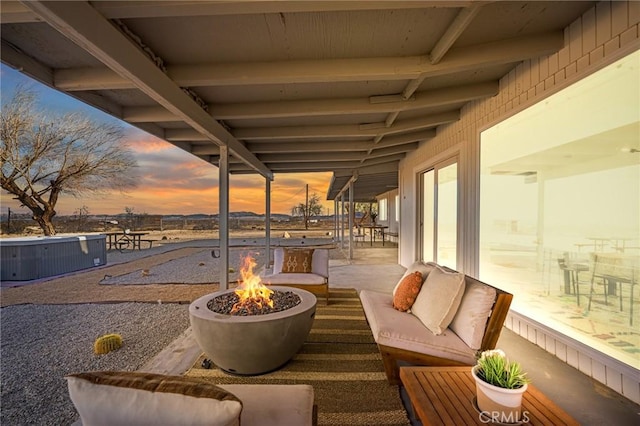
{"type": "Point", "coordinates": [253, 344]}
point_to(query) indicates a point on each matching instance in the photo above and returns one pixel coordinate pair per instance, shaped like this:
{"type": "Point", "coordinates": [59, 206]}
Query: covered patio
{"type": "Point", "coordinates": [370, 91]}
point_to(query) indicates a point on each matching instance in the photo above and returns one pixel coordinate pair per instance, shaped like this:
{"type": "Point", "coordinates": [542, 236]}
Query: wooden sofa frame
{"type": "Point", "coordinates": [391, 355]}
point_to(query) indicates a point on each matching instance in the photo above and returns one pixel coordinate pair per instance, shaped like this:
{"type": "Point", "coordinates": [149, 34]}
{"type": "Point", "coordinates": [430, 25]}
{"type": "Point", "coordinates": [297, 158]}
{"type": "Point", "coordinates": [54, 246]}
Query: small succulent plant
{"type": "Point", "coordinates": [495, 369]}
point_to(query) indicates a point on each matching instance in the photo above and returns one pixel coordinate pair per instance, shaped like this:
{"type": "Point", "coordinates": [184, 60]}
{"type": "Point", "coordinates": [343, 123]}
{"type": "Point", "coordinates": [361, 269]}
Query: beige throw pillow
{"type": "Point", "coordinates": [297, 260]}
{"type": "Point", "coordinates": [438, 300]}
{"type": "Point", "coordinates": [470, 320]}
{"type": "Point", "coordinates": [134, 398]}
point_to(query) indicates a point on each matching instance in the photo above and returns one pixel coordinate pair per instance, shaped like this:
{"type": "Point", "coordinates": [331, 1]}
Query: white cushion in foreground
{"type": "Point", "coordinates": [134, 398]}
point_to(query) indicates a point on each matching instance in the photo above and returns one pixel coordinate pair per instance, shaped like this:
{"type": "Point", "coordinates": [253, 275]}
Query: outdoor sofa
{"type": "Point", "coordinates": [441, 318]}
{"type": "Point", "coordinates": [137, 398]}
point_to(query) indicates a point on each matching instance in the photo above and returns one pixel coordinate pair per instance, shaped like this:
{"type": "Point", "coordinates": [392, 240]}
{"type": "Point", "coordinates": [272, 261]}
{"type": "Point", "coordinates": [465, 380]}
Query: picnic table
{"type": "Point", "coordinates": [126, 240]}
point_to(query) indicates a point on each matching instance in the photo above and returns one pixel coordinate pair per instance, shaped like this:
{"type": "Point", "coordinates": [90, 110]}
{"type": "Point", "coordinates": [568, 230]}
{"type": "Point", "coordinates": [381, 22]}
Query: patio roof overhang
{"type": "Point", "coordinates": [294, 86]}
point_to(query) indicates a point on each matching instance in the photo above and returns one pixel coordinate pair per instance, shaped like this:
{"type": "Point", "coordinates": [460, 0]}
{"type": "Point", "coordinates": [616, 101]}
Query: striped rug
{"type": "Point", "coordinates": [340, 359]}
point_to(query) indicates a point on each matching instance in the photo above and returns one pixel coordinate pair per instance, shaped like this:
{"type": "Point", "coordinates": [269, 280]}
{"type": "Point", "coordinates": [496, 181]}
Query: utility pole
{"type": "Point", "coordinates": [307, 209]}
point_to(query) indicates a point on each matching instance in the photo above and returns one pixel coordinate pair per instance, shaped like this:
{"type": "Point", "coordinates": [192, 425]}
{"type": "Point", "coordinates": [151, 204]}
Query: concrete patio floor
{"type": "Point", "coordinates": [376, 268]}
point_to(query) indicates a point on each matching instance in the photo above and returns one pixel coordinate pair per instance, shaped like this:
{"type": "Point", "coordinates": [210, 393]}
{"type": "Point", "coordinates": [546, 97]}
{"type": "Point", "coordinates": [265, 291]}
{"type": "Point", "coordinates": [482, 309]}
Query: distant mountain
{"type": "Point", "coordinates": [239, 215]}
{"type": "Point", "coordinates": [195, 216]}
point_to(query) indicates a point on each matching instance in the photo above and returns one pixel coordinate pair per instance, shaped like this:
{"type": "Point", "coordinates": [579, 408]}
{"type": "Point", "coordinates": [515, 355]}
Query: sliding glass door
{"type": "Point", "coordinates": [439, 214]}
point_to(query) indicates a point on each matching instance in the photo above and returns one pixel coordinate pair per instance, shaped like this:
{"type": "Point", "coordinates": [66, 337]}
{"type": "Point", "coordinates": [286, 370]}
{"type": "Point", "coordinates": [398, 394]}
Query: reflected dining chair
{"type": "Point", "coordinates": [613, 272]}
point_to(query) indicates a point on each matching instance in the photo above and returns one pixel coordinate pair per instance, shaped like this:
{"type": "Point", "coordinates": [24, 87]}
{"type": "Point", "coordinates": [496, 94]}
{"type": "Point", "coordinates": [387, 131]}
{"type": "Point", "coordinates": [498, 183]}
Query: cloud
{"type": "Point", "coordinates": [170, 180]}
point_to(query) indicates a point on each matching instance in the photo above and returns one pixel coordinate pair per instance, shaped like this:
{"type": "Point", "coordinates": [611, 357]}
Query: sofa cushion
{"type": "Point", "coordinates": [391, 327]}
{"type": "Point", "coordinates": [439, 298]}
{"type": "Point", "coordinates": [407, 291]}
{"type": "Point", "coordinates": [112, 397]}
{"type": "Point", "coordinates": [475, 307]}
{"type": "Point", "coordinates": [297, 260]}
{"type": "Point", "coordinates": [274, 404]}
{"type": "Point", "coordinates": [423, 268]}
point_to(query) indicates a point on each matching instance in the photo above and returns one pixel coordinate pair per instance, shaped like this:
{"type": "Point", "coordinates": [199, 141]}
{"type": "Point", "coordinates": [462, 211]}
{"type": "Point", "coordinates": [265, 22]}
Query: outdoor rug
{"type": "Point", "coordinates": [341, 361]}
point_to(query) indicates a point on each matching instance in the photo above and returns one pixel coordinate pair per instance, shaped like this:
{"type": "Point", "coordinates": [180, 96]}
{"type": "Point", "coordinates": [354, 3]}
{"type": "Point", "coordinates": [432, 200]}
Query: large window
{"type": "Point", "coordinates": [560, 210]}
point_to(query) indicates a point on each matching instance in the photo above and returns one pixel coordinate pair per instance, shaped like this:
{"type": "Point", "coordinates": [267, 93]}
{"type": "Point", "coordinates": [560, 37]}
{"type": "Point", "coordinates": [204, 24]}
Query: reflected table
{"type": "Point", "coordinates": [373, 229]}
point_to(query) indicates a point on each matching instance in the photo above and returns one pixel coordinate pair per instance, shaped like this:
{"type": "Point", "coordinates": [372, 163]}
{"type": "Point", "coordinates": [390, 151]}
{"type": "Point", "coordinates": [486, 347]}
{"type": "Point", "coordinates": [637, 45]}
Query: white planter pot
{"type": "Point", "coordinates": [499, 404]}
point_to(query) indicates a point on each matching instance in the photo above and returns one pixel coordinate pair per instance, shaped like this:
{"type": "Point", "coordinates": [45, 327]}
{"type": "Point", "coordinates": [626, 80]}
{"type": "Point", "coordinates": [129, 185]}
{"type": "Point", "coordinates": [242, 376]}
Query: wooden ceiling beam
{"type": "Point", "coordinates": [459, 24]}
{"type": "Point", "coordinates": [310, 157]}
{"type": "Point", "coordinates": [398, 149]}
{"type": "Point", "coordinates": [387, 167]}
{"type": "Point", "coordinates": [328, 70]}
{"type": "Point", "coordinates": [14, 57]}
{"type": "Point", "coordinates": [319, 107]}
{"type": "Point", "coordinates": [332, 146]}
{"type": "Point", "coordinates": [302, 147]}
{"type": "Point", "coordinates": [148, 9]}
{"type": "Point", "coordinates": [15, 12]}
{"type": "Point", "coordinates": [457, 27]}
{"type": "Point", "coordinates": [338, 131]}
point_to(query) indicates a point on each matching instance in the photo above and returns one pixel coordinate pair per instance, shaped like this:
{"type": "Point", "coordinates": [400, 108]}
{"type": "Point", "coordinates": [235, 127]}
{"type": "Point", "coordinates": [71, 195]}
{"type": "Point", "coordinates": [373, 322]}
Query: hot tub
{"type": "Point", "coordinates": [30, 258]}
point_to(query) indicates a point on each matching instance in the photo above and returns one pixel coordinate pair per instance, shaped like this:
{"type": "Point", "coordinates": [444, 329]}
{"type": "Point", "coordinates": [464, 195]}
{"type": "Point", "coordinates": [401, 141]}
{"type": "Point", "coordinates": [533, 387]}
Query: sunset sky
{"type": "Point", "coordinates": [172, 181]}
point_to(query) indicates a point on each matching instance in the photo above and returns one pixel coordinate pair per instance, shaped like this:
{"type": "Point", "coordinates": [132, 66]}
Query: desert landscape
{"type": "Point", "coordinates": [141, 294]}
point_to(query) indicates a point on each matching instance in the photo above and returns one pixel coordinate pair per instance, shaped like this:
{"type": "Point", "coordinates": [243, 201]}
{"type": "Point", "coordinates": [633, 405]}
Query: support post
{"type": "Point", "coordinates": [352, 214]}
{"type": "Point", "coordinates": [223, 170]}
{"type": "Point", "coordinates": [336, 237]}
{"type": "Point", "coordinates": [342, 220]}
{"type": "Point", "coordinates": [267, 213]}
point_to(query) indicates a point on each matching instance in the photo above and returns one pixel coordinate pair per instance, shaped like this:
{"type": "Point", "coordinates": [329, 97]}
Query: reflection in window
{"type": "Point", "coordinates": [560, 210]}
{"type": "Point", "coordinates": [397, 205]}
{"type": "Point", "coordinates": [427, 203]}
{"type": "Point", "coordinates": [382, 209]}
{"type": "Point", "coordinates": [447, 231]}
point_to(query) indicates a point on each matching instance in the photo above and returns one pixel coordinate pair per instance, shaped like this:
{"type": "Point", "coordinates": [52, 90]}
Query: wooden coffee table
{"type": "Point", "coordinates": [445, 396]}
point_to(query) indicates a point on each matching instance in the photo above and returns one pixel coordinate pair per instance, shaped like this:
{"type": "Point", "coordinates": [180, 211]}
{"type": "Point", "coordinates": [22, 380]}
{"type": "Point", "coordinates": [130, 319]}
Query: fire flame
{"type": "Point", "coordinates": [251, 291]}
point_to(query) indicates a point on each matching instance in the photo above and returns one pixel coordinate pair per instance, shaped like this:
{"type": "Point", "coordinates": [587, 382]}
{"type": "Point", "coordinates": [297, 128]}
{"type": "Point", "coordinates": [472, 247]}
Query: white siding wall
{"type": "Point", "coordinates": [601, 36]}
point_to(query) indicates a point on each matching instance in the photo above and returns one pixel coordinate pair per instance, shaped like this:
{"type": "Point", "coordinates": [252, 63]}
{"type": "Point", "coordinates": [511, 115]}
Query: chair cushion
{"type": "Point", "coordinates": [293, 278]}
{"type": "Point", "coordinates": [407, 291]}
{"type": "Point", "coordinates": [439, 298]}
{"type": "Point", "coordinates": [112, 397]}
{"type": "Point", "coordinates": [297, 260]}
{"type": "Point", "coordinates": [474, 310]}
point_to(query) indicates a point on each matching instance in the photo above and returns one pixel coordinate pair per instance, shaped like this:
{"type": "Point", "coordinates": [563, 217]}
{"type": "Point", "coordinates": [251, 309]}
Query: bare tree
{"type": "Point", "coordinates": [44, 157]}
{"type": "Point", "coordinates": [81, 218]}
{"type": "Point", "coordinates": [308, 210]}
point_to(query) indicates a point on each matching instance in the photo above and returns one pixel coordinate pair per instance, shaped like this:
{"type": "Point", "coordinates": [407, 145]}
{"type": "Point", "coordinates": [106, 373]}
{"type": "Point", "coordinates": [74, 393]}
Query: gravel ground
{"type": "Point", "coordinates": [42, 343]}
{"type": "Point", "coordinates": [198, 268]}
